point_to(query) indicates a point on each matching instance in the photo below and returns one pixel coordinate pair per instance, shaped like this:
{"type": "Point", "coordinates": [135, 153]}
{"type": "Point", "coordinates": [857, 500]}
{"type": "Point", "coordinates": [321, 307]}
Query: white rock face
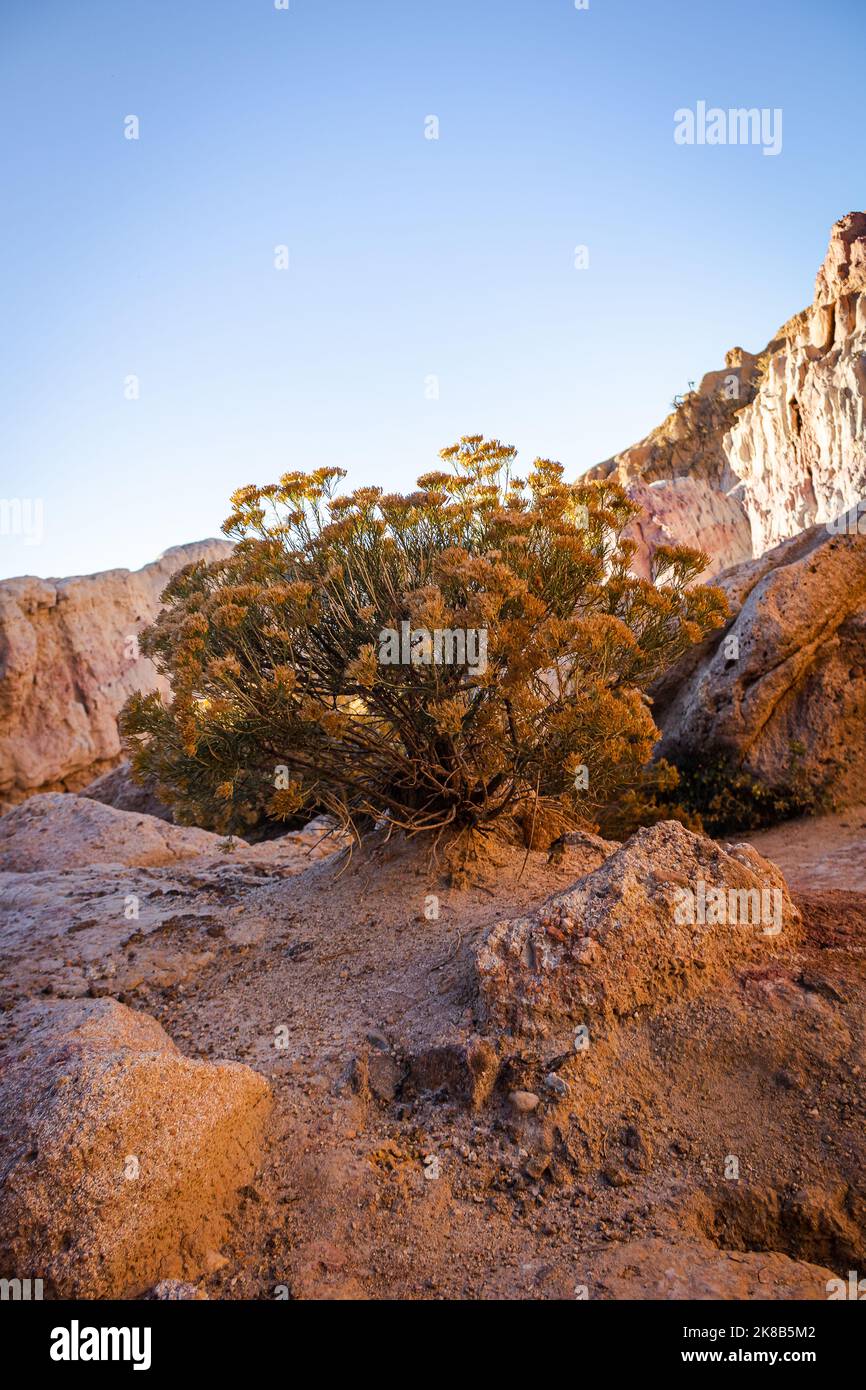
{"type": "Point", "coordinates": [792, 455]}
{"type": "Point", "coordinates": [688, 511]}
{"type": "Point", "coordinates": [800, 447]}
{"type": "Point", "coordinates": [67, 664]}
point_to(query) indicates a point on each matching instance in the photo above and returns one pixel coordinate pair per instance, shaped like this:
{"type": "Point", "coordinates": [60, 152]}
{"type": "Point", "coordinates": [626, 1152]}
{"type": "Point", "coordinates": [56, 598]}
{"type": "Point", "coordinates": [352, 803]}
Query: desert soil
{"type": "Point", "coordinates": [720, 1155]}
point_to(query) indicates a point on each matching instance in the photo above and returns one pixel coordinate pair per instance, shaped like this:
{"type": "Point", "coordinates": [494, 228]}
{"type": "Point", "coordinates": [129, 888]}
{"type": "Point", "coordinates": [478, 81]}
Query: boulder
{"type": "Point", "coordinates": [781, 691]}
{"type": "Point", "coordinates": [117, 788]}
{"type": "Point", "coordinates": [69, 659]}
{"type": "Point", "coordinates": [664, 915]}
{"type": "Point", "coordinates": [58, 830]}
{"type": "Point", "coordinates": [120, 1157]}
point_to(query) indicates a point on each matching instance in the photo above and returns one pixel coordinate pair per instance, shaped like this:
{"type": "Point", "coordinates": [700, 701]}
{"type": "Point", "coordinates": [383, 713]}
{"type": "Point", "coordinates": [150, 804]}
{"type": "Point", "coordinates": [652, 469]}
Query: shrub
{"type": "Point", "coordinates": [290, 691]}
{"type": "Point", "coordinates": [655, 796]}
{"type": "Point", "coordinates": [728, 800]}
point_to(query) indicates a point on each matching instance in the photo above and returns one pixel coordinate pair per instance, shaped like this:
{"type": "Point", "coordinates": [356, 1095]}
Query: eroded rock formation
{"type": "Point", "coordinates": [622, 938]}
{"type": "Point", "coordinates": [68, 661]}
{"type": "Point", "coordinates": [772, 443]}
{"type": "Point", "coordinates": [781, 692]}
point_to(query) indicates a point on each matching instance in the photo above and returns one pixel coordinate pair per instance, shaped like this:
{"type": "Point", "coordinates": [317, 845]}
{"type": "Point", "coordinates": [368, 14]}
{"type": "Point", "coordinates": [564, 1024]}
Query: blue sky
{"type": "Point", "coordinates": [409, 258]}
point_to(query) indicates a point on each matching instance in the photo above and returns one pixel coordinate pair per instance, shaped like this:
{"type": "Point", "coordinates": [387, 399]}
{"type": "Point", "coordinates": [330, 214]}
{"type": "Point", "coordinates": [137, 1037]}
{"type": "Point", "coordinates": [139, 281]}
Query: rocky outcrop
{"type": "Point", "coordinates": [781, 692]}
{"type": "Point", "coordinates": [121, 1158]}
{"type": "Point", "coordinates": [58, 830]}
{"type": "Point", "coordinates": [117, 788]}
{"type": "Point", "coordinates": [656, 1268]}
{"type": "Point", "coordinates": [98, 901]}
{"type": "Point", "coordinates": [68, 660]}
{"type": "Point", "coordinates": [775, 442]}
{"type": "Point", "coordinates": [662, 916]}
{"type": "Point", "coordinates": [798, 450]}
{"type": "Point", "coordinates": [688, 511]}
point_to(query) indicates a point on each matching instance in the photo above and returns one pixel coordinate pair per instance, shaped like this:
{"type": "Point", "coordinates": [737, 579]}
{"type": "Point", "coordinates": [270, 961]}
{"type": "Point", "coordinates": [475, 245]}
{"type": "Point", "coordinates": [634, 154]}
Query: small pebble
{"type": "Point", "coordinates": [524, 1102]}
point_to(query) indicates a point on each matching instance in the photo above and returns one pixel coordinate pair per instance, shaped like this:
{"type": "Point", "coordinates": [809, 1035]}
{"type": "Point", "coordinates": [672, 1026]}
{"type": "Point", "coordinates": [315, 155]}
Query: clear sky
{"type": "Point", "coordinates": [409, 258]}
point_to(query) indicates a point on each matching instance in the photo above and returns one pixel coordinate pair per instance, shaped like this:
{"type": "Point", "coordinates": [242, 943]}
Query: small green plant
{"type": "Point", "coordinates": [440, 660]}
{"type": "Point", "coordinates": [726, 800]}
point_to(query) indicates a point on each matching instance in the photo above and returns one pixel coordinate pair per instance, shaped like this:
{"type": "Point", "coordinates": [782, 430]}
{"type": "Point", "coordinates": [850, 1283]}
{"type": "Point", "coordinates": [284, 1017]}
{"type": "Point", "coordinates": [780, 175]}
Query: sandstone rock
{"type": "Point", "coordinates": [524, 1102]}
{"type": "Point", "coordinates": [57, 830]}
{"type": "Point", "coordinates": [775, 449]}
{"type": "Point", "coordinates": [161, 912]}
{"type": "Point", "coordinates": [620, 939]}
{"type": "Point", "coordinates": [781, 693]}
{"type": "Point", "coordinates": [117, 789]}
{"type": "Point", "coordinates": [688, 511]}
{"type": "Point", "coordinates": [67, 664]}
{"type": "Point", "coordinates": [655, 1268]}
{"type": "Point", "coordinates": [121, 1157]}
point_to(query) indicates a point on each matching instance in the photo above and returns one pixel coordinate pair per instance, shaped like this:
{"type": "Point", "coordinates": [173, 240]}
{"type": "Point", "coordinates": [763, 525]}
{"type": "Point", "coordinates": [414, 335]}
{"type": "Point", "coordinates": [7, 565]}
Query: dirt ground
{"type": "Point", "coordinates": [731, 1122]}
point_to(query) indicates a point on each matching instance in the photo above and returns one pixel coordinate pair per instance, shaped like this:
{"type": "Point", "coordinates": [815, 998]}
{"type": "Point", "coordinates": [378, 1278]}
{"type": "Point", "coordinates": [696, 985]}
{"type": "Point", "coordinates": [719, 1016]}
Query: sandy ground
{"type": "Point", "coordinates": [719, 1149]}
{"type": "Point", "coordinates": [765, 1070]}
{"type": "Point", "coordinates": [825, 852]}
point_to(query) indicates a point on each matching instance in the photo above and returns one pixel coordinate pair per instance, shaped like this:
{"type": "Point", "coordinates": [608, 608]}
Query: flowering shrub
{"type": "Point", "coordinates": [444, 660]}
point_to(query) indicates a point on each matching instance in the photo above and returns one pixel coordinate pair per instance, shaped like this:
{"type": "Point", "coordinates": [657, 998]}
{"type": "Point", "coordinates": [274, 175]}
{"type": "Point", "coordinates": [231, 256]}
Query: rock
{"type": "Point", "coordinates": [776, 441]}
{"type": "Point", "coordinates": [781, 692]}
{"type": "Point", "coordinates": [117, 789]}
{"type": "Point", "coordinates": [580, 850]}
{"type": "Point", "coordinates": [372, 1074]}
{"type": "Point", "coordinates": [466, 1071]}
{"type": "Point", "coordinates": [631, 934]}
{"type": "Point", "coordinates": [384, 1075]}
{"type": "Point", "coordinates": [688, 511]}
{"type": "Point", "coordinates": [58, 830]}
{"type": "Point", "coordinates": [524, 1102]}
{"type": "Point", "coordinates": [556, 1084]}
{"type": "Point", "coordinates": [656, 1268]}
{"type": "Point", "coordinates": [798, 450]}
{"type": "Point", "coordinates": [121, 1157]}
{"type": "Point", "coordinates": [173, 1290]}
{"type": "Point", "coordinates": [68, 661]}
{"type": "Point", "coordinates": [617, 1175]}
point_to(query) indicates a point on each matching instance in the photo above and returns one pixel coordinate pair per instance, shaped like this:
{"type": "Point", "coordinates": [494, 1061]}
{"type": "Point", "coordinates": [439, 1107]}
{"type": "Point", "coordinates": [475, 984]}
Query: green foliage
{"type": "Point", "coordinates": [729, 800]}
{"type": "Point", "coordinates": [282, 698]}
{"type": "Point", "coordinates": [711, 795]}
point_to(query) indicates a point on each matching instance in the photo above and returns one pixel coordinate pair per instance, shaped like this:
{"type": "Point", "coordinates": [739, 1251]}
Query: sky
{"type": "Point", "coordinates": [156, 354]}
